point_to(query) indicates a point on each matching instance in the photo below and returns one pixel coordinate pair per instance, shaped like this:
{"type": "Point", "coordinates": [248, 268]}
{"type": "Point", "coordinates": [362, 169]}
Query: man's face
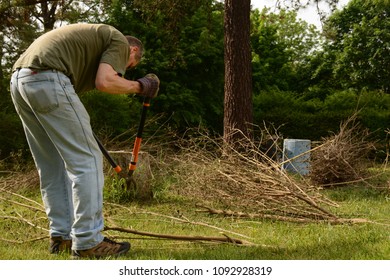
{"type": "Point", "coordinates": [133, 60]}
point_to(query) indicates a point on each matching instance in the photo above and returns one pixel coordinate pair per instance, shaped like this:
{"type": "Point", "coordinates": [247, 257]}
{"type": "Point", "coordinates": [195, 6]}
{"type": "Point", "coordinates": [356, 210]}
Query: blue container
{"type": "Point", "coordinates": [298, 151]}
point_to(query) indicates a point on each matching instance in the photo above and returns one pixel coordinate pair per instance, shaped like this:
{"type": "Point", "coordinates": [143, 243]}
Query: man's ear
{"type": "Point", "coordinates": [133, 48]}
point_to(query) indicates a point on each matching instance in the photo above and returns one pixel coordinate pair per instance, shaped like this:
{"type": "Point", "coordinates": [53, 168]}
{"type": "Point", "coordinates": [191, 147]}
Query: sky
{"type": "Point", "coordinates": [309, 14]}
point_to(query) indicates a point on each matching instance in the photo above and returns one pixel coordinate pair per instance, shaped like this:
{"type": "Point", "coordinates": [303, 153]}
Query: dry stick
{"type": "Point", "coordinates": [310, 202]}
{"type": "Point", "coordinates": [23, 205]}
{"type": "Point", "coordinates": [302, 154]}
{"type": "Point", "coordinates": [186, 221]}
{"type": "Point", "coordinates": [335, 221]}
{"type": "Point", "coordinates": [249, 215]}
{"type": "Point", "coordinates": [21, 196]}
{"type": "Point", "coordinates": [21, 219]}
{"type": "Point", "coordinates": [303, 197]}
{"type": "Point", "coordinates": [24, 241]}
{"type": "Point", "coordinates": [294, 211]}
{"type": "Point", "coordinates": [269, 216]}
{"type": "Point", "coordinates": [7, 172]}
{"type": "Point", "coordinates": [328, 201]}
{"type": "Point", "coordinates": [352, 182]}
{"type": "Point", "coordinates": [183, 237]}
{"type": "Point", "coordinates": [307, 198]}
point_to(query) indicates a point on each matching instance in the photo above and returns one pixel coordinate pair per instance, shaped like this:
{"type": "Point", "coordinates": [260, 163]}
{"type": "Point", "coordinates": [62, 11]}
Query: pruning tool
{"type": "Point", "coordinates": [130, 182]}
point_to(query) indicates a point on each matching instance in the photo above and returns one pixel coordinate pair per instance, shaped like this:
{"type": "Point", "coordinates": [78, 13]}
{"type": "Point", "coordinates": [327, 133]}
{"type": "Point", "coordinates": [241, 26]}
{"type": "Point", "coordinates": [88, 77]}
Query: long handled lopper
{"type": "Point", "coordinates": [137, 143]}
{"type": "Point", "coordinates": [130, 182]}
{"type": "Point", "coordinates": [107, 155]}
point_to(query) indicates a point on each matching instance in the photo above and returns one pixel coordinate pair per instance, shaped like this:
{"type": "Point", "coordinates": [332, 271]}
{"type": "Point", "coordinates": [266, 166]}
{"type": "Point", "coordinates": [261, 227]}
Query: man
{"type": "Point", "coordinates": [44, 86]}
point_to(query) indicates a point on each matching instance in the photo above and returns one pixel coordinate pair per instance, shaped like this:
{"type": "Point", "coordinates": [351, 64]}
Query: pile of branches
{"type": "Point", "coordinates": [244, 181]}
{"type": "Point", "coordinates": [341, 158]}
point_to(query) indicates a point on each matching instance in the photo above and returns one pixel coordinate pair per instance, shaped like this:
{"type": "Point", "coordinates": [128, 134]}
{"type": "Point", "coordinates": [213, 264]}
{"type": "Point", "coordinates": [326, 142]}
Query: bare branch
{"type": "Point", "coordinates": [183, 237]}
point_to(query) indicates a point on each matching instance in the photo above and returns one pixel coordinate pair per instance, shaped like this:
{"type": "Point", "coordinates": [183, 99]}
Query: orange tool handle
{"type": "Point", "coordinates": [138, 139]}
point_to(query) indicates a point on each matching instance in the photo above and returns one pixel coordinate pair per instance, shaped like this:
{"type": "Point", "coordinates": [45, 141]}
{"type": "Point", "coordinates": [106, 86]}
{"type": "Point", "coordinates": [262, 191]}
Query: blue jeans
{"type": "Point", "coordinates": [68, 159]}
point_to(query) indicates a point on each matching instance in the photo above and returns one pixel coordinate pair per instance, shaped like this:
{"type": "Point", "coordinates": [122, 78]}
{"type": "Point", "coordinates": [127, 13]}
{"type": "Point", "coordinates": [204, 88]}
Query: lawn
{"type": "Point", "coordinates": [24, 229]}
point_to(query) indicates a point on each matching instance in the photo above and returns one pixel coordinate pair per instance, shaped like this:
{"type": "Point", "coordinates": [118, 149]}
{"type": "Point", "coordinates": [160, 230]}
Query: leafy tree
{"type": "Point", "coordinates": [359, 36]}
{"type": "Point", "coordinates": [186, 54]}
{"type": "Point", "coordinates": [282, 47]}
{"type": "Point", "coordinates": [269, 54]}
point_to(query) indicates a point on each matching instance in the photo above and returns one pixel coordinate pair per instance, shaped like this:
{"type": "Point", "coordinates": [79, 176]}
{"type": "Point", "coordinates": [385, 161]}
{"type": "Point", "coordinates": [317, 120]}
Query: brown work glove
{"type": "Point", "coordinates": [149, 85]}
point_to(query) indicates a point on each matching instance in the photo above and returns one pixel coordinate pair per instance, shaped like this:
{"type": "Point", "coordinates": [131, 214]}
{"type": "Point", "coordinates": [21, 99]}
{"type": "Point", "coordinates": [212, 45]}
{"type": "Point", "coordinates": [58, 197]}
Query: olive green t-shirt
{"type": "Point", "coordinates": [76, 50]}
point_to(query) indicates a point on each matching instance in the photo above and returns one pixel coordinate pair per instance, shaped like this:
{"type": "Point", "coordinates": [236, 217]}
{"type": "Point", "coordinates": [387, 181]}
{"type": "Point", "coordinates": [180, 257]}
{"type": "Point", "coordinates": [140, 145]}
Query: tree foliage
{"type": "Point", "coordinates": [186, 54]}
{"type": "Point", "coordinates": [359, 36]}
{"type": "Point", "coordinates": [282, 46]}
{"type": "Point", "coordinates": [300, 84]}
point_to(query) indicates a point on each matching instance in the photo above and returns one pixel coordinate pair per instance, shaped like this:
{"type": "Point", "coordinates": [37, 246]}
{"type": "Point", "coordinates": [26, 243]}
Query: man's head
{"type": "Point", "coordinates": [136, 51]}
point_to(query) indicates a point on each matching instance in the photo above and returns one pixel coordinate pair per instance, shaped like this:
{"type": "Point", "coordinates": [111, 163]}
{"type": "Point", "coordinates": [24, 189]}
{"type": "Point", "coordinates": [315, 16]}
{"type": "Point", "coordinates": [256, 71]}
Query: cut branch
{"type": "Point", "coordinates": [224, 239]}
{"type": "Point", "coordinates": [229, 213]}
{"type": "Point", "coordinates": [181, 220]}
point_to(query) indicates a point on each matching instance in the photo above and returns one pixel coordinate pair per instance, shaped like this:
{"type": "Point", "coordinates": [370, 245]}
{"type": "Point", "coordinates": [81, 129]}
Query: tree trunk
{"type": "Point", "coordinates": [238, 114]}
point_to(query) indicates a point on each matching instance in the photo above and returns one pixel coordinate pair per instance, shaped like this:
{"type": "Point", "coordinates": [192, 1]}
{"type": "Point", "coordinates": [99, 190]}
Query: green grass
{"type": "Point", "coordinates": [273, 240]}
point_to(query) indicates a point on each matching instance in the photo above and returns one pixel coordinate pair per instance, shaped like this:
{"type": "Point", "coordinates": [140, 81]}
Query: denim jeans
{"type": "Point", "coordinates": [67, 157]}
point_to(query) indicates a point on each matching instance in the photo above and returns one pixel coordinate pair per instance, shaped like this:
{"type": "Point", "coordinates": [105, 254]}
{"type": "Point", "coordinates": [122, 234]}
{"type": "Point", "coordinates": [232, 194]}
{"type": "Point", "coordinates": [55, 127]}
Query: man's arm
{"type": "Point", "coordinates": [108, 80]}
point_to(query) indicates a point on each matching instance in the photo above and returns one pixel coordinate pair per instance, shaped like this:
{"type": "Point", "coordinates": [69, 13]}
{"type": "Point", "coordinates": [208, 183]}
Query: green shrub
{"type": "Point", "coordinates": [112, 113]}
{"type": "Point", "coordinates": [12, 137]}
{"type": "Point", "coordinates": [298, 117]}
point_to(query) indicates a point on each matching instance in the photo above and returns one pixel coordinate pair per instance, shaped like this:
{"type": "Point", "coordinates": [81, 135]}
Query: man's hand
{"type": "Point", "coordinates": [149, 85]}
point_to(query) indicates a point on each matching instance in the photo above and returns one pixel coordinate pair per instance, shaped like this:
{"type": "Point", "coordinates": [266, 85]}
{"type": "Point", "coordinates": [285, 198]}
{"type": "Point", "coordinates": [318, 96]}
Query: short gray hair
{"type": "Point", "coordinates": [135, 42]}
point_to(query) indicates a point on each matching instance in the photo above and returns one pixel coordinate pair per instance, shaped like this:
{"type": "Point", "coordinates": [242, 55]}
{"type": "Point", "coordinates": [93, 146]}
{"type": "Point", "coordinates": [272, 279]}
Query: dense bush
{"type": "Point", "coordinates": [112, 114]}
{"type": "Point", "coordinates": [314, 118]}
{"type": "Point", "coordinates": [11, 134]}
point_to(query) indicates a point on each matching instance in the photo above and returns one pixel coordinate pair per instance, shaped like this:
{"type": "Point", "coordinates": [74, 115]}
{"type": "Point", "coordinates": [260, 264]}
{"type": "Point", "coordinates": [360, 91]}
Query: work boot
{"type": "Point", "coordinates": [58, 245]}
{"type": "Point", "coordinates": [104, 249]}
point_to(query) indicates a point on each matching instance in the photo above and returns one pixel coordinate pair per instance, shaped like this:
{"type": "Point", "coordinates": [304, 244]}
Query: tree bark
{"type": "Point", "coordinates": [238, 111]}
